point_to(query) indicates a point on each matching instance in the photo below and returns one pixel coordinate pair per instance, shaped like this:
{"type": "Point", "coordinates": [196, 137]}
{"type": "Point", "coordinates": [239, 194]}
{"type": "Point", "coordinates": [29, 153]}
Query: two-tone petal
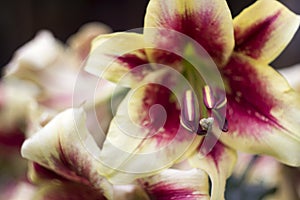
{"type": "Point", "coordinates": [177, 184]}
{"type": "Point", "coordinates": [218, 164]}
{"type": "Point", "coordinates": [208, 22]}
{"type": "Point", "coordinates": [264, 29]}
{"type": "Point", "coordinates": [263, 112]}
{"type": "Point", "coordinates": [117, 57]}
{"type": "Point", "coordinates": [66, 147]}
{"type": "Point", "coordinates": [145, 135]}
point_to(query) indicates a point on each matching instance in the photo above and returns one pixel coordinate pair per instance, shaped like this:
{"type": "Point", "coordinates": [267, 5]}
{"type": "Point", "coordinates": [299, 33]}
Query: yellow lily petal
{"type": "Point", "coordinates": [264, 29]}
{"type": "Point", "coordinates": [60, 187]}
{"type": "Point", "coordinates": [263, 112]}
{"type": "Point", "coordinates": [208, 22]}
{"type": "Point", "coordinates": [64, 146]}
{"type": "Point", "coordinates": [128, 157]}
{"type": "Point", "coordinates": [218, 164]}
{"type": "Point", "coordinates": [177, 184]}
{"type": "Point", "coordinates": [145, 135]}
{"type": "Point", "coordinates": [114, 55]}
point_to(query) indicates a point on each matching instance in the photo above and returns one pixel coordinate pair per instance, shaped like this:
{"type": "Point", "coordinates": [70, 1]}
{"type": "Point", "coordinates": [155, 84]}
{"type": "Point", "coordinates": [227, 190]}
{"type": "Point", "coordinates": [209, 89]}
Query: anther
{"type": "Point", "coordinates": [211, 101]}
{"type": "Point", "coordinates": [221, 103]}
{"type": "Point", "coordinates": [189, 118]}
{"type": "Point", "coordinates": [225, 126]}
{"type": "Point", "coordinates": [201, 131]}
{"type": "Point", "coordinates": [208, 97]}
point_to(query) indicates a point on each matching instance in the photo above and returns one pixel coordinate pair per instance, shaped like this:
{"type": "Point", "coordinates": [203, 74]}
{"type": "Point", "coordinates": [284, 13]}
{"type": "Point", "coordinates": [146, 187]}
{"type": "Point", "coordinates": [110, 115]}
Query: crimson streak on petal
{"type": "Point", "coordinates": [167, 192]}
{"type": "Point", "coordinates": [249, 102]}
{"type": "Point", "coordinates": [200, 30]}
{"type": "Point", "coordinates": [251, 41]}
{"type": "Point", "coordinates": [134, 59]}
{"type": "Point", "coordinates": [157, 94]}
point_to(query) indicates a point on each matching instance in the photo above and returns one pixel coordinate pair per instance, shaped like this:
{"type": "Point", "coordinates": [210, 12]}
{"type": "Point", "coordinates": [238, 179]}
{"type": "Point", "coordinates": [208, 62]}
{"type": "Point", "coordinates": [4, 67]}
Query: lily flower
{"type": "Point", "coordinates": [262, 111]}
{"type": "Point", "coordinates": [60, 165]}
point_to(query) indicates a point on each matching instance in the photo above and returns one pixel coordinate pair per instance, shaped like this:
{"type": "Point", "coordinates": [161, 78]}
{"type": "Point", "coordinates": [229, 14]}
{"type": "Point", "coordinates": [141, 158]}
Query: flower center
{"type": "Point", "coordinates": [205, 102]}
{"type": "Point", "coordinates": [190, 116]}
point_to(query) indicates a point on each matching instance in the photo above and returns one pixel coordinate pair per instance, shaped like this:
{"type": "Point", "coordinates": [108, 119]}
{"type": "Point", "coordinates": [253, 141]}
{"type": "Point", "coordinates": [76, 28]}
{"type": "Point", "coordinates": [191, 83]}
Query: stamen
{"type": "Point", "coordinates": [208, 97]}
{"type": "Point", "coordinates": [221, 103]}
{"type": "Point", "coordinates": [210, 101]}
{"type": "Point", "coordinates": [225, 126]}
{"type": "Point", "coordinates": [201, 131]}
{"type": "Point", "coordinates": [189, 119]}
{"type": "Point", "coordinates": [190, 101]}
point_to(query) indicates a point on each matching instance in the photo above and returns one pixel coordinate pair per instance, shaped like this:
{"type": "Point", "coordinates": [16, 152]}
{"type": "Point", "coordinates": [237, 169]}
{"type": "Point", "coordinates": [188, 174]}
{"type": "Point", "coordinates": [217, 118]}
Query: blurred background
{"type": "Point", "coordinates": [21, 20]}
